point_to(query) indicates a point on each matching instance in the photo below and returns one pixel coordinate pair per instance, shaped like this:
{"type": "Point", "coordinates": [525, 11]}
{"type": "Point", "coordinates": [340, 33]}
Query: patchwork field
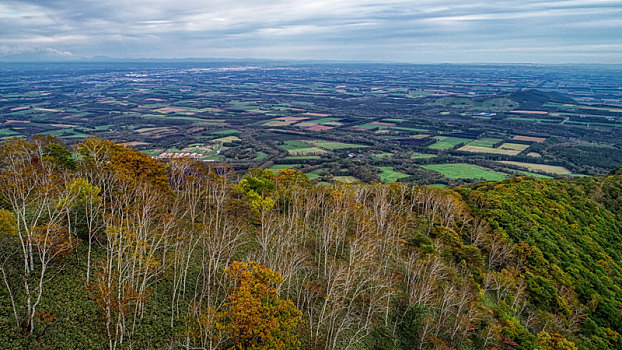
{"type": "Point", "coordinates": [172, 117]}
{"type": "Point", "coordinates": [417, 155]}
{"type": "Point", "coordinates": [226, 132]}
{"type": "Point", "coordinates": [475, 149]}
{"type": "Point", "coordinates": [263, 116]}
{"type": "Point", "coordinates": [261, 155]}
{"type": "Point", "coordinates": [7, 132]}
{"type": "Point", "coordinates": [485, 142]}
{"type": "Point", "coordinates": [551, 169]}
{"type": "Point", "coordinates": [315, 174]}
{"type": "Point", "coordinates": [528, 173]}
{"type": "Point", "coordinates": [277, 122]}
{"type": "Point", "coordinates": [299, 148]}
{"type": "Point", "coordinates": [327, 121]}
{"type": "Point", "coordinates": [276, 167]}
{"type": "Point", "coordinates": [333, 145]}
{"type": "Point", "coordinates": [437, 185]}
{"type": "Point", "coordinates": [514, 146]}
{"type": "Point", "coordinates": [388, 174]}
{"type": "Point", "coordinates": [529, 138]}
{"type": "Point", "coordinates": [346, 179]}
{"type": "Point", "coordinates": [227, 139]}
{"type": "Point", "coordinates": [302, 157]}
{"type": "Point", "coordinates": [446, 142]}
{"type": "Point", "coordinates": [382, 155]}
{"type": "Point", "coordinates": [466, 171]}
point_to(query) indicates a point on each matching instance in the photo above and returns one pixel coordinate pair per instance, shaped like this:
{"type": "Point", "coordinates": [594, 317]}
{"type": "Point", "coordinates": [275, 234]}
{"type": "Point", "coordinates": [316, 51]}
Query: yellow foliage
{"type": "Point", "coordinates": [255, 317]}
{"type": "Point", "coordinates": [8, 223]}
{"type": "Point", "coordinates": [554, 341]}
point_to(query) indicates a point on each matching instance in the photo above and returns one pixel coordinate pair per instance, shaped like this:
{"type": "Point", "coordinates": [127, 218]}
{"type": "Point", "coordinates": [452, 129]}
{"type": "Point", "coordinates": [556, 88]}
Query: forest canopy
{"type": "Point", "coordinates": [105, 247]}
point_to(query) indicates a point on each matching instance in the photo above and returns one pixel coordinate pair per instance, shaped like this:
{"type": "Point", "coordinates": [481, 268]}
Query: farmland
{"type": "Point", "coordinates": [484, 142]}
{"type": "Point", "coordinates": [382, 123]}
{"type": "Point", "coordinates": [551, 169]}
{"type": "Point", "coordinates": [447, 143]}
{"type": "Point", "coordinates": [388, 174]}
{"type": "Point", "coordinates": [298, 148]}
{"type": "Point", "coordinates": [499, 150]}
{"type": "Point", "coordinates": [466, 171]}
{"type": "Point", "coordinates": [332, 145]}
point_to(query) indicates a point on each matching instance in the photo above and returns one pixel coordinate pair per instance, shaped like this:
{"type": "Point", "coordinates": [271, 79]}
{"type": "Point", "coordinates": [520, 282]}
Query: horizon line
{"type": "Point", "coordinates": [295, 60]}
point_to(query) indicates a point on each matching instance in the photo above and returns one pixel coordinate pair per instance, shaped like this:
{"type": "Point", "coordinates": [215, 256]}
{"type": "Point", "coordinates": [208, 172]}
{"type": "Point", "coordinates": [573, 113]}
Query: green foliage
{"type": "Point", "coordinates": [257, 188]}
{"type": "Point", "coordinates": [569, 238]}
{"type": "Point", "coordinates": [60, 155]}
{"type": "Point", "coordinates": [541, 292]}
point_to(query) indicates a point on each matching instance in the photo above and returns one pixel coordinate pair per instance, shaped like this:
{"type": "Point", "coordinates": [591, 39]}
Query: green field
{"type": "Point", "coordinates": [485, 142]}
{"type": "Point", "coordinates": [299, 148]}
{"type": "Point", "coordinates": [227, 139]}
{"type": "Point", "coordinates": [527, 173]}
{"type": "Point", "coordinates": [8, 132]}
{"type": "Point", "coordinates": [437, 185]}
{"type": "Point", "coordinates": [244, 106]}
{"type": "Point", "coordinates": [261, 155]}
{"type": "Point", "coordinates": [346, 179]}
{"type": "Point", "coordinates": [417, 155]}
{"type": "Point", "coordinates": [388, 174]}
{"type": "Point", "coordinates": [276, 167]}
{"type": "Point", "coordinates": [334, 145]}
{"type": "Point", "coordinates": [293, 145]}
{"type": "Point", "coordinates": [401, 128]}
{"type": "Point", "coordinates": [315, 174]}
{"type": "Point", "coordinates": [466, 171]}
{"type": "Point", "coordinates": [66, 133]}
{"type": "Point", "coordinates": [551, 169]}
{"type": "Point", "coordinates": [303, 157]}
{"type": "Point", "coordinates": [514, 146]}
{"type": "Point", "coordinates": [371, 126]}
{"type": "Point", "coordinates": [382, 155]}
{"type": "Point", "coordinates": [323, 120]}
{"type": "Point", "coordinates": [446, 143]}
{"type": "Point", "coordinates": [173, 117]}
{"type": "Point", "coordinates": [226, 132]}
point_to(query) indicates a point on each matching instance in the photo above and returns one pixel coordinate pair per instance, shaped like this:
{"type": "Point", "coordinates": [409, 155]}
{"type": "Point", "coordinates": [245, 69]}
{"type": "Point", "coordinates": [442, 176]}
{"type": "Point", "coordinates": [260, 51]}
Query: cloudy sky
{"type": "Point", "coordinates": [418, 31]}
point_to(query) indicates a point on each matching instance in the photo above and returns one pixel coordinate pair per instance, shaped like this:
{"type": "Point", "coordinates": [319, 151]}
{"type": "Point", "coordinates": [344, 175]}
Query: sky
{"type": "Point", "coordinates": [416, 31]}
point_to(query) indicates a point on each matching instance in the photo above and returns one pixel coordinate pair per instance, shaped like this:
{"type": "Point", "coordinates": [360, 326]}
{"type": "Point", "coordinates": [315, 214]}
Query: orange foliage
{"type": "Point", "coordinates": [255, 317]}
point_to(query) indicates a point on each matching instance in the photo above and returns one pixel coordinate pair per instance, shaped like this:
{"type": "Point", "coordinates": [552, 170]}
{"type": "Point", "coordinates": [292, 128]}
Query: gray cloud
{"type": "Point", "coordinates": [559, 31]}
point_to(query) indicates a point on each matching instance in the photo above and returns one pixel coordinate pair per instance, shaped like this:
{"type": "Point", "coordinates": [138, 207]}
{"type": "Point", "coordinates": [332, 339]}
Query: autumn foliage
{"type": "Point", "coordinates": [105, 247]}
{"type": "Point", "coordinates": [254, 316]}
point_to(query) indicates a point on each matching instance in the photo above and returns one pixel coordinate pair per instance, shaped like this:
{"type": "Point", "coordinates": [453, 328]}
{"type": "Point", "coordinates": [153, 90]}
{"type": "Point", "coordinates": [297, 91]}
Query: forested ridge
{"type": "Point", "coordinates": [104, 247]}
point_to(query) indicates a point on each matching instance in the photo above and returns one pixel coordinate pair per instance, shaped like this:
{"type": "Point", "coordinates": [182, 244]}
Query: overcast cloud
{"type": "Point", "coordinates": [561, 31]}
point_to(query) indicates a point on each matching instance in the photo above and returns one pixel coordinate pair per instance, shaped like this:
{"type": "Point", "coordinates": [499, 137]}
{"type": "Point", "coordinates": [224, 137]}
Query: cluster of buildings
{"type": "Point", "coordinates": [173, 155]}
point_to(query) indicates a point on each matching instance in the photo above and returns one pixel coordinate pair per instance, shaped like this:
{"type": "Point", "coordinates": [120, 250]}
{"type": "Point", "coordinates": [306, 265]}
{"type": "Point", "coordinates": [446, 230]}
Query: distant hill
{"type": "Point", "coordinates": [530, 99]}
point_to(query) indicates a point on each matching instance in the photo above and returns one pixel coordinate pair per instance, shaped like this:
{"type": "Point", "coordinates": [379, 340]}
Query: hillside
{"type": "Point", "coordinates": [104, 247]}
